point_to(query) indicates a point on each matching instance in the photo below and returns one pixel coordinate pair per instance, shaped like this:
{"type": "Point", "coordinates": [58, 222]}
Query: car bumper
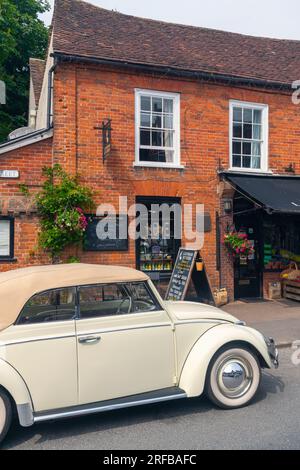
{"type": "Point", "coordinates": [273, 351]}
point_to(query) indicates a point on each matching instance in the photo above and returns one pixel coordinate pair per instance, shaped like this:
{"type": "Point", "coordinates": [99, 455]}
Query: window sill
{"type": "Point", "coordinates": [8, 260]}
{"type": "Point", "coordinates": [250, 171]}
{"type": "Point", "coordinates": [158, 165]}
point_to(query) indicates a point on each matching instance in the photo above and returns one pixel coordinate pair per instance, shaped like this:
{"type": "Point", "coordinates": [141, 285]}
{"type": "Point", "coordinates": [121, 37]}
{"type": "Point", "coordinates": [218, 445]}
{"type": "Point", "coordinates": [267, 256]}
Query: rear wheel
{"type": "Point", "coordinates": [233, 377]}
{"type": "Point", "coordinates": [5, 414]}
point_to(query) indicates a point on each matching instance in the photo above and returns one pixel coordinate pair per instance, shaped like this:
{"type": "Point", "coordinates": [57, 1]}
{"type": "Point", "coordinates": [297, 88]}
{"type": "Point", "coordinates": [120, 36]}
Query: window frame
{"type": "Point", "coordinates": [11, 221]}
{"type": "Point", "coordinates": [176, 119]}
{"type": "Point", "coordinates": [77, 315]}
{"type": "Point", "coordinates": [122, 284]}
{"type": "Point", "coordinates": [264, 167]}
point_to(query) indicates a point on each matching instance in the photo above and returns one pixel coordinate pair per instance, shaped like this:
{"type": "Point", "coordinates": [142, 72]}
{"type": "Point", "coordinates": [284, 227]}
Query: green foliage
{"type": "Point", "coordinates": [24, 189]}
{"type": "Point", "coordinates": [73, 260]}
{"type": "Point", "coordinates": [60, 205]}
{"type": "Point", "coordinates": [22, 35]}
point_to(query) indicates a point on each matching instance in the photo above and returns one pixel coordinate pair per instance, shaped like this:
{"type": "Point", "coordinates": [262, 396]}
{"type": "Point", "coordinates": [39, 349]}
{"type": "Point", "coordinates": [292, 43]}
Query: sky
{"type": "Point", "coordinates": [268, 18]}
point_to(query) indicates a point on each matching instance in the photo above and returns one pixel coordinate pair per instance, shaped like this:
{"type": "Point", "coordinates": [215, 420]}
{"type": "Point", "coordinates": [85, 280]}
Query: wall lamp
{"type": "Point", "coordinates": [227, 204]}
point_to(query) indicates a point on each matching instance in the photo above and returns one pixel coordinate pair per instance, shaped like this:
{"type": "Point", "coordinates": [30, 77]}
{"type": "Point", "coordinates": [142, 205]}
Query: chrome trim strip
{"type": "Point", "coordinates": [88, 332]}
{"type": "Point", "coordinates": [125, 328]}
{"type": "Point", "coordinates": [100, 409]}
{"type": "Point", "coordinates": [186, 322]}
{"type": "Point", "coordinates": [38, 339]}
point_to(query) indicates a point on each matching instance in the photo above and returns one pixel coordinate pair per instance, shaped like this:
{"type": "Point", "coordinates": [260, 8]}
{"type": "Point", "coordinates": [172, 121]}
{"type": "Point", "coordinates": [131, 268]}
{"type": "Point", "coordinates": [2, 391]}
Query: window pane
{"type": "Point", "coordinates": [237, 130]}
{"type": "Point", "coordinates": [50, 306]}
{"type": "Point", "coordinates": [236, 160]}
{"type": "Point", "coordinates": [145, 138]}
{"type": "Point", "coordinates": [168, 106]}
{"type": "Point", "coordinates": [152, 155]}
{"type": "Point", "coordinates": [168, 139]}
{"type": "Point", "coordinates": [145, 103]}
{"type": "Point", "coordinates": [168, 121]}
{"type": "Point", "coordinates": [237, 114]}
{"type": "Point", "coordinates": [236, 147]}
{"type": "Point", "coordinates": [169, 156]}
{"type": "Point", "coordinates": [157, 105]}
{"type": "Point", "coordinates": [156, 120]}
{"type": "Point", "coordinates": [247, 131]}
{"type": "Point", "coordinates": [257, 132]}
{"type": "Point", "coordinates": [4, 237]}
{"type": "Point", "coordinates": [246, 162]}
{"type": "Point", "coordinates": [156, 139]}
{"type": "Point", "coordinates": [142, 301]}
{"type": "Point", "coordinates": [248, 115]}
{"type": "Point", "coordinates": [145, 120]}
{"type": "Point", "coordinates": [255, 162]}
{"type": "Point", "coordinates": [257, 116]}
{"type": "Point", "coordinates": [98, 301]}
{"type": "Point", "coordinates": [247, 148]}
{"type": "Point", "coordinates": [256, 149]}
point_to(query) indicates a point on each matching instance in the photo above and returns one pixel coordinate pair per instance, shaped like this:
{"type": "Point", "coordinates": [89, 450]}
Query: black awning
{"type": "Point", "coordinates": [273, 193]}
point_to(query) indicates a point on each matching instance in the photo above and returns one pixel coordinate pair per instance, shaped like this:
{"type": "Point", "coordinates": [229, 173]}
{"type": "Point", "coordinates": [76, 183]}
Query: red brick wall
{"type": "Point", "coordinates": [29, 161]}
{"type": "Point", "coordinates": [85, 95]}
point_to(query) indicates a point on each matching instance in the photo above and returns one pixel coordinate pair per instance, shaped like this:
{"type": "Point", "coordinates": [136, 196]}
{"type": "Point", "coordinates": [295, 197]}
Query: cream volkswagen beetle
{"type": "Point", "coordinates": [78, 339]}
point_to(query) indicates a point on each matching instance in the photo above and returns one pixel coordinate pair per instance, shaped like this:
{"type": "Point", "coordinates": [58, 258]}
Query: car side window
{"type": "Point", "coordinates": [50, 306]}
{"type": "Point", "coordinates": [142, 299]}
{"type": "Point", "coordinates": [103, 300]}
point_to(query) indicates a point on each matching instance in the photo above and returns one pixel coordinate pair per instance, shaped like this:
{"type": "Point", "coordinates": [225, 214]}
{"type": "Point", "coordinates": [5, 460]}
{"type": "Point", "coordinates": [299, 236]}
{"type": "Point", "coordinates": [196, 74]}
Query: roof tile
{"type": "Point", "coordinates": [37, 69]}
{"type": "Point", "coordinates": [86, 30]}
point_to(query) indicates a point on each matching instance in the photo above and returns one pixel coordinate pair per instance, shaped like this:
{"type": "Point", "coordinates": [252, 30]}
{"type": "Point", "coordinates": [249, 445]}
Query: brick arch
{"type": "Point", "coordinates": [159, 188]}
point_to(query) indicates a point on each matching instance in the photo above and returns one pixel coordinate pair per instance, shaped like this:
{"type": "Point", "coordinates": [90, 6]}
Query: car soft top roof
{"type": "Point", "coordinates": [19, 285]}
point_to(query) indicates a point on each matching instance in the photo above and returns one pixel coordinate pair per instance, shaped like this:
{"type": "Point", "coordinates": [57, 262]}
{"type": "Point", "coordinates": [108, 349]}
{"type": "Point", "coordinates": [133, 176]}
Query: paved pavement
{"type": "Point", "coordinates": [277, 318]}
{"type": "Point", "coordinates": [271, 422]}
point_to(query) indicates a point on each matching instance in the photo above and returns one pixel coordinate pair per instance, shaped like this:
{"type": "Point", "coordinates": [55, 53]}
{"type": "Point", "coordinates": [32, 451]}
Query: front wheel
{"type": "Point", "coordinates": [233, 377]}
{"type": "Point", "coordinates": [5, 414]}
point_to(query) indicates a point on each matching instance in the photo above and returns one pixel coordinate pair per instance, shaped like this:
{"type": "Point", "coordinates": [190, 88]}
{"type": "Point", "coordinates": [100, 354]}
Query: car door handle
{"type": "Point", "coordinates": [89, 339]}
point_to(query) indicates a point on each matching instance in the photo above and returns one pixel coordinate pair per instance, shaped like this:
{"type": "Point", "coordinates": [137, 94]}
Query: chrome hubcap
{"type": "Point", "coordinates": [234, 377]}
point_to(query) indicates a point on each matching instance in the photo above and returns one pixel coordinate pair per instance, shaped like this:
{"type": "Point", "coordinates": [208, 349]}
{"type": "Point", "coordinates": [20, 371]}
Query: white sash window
{"type": "Point", "coordinates": [5, 233]}
{"type": "Point", "coordinates": [157, 123]}
{"type": "Point", "coordinates": [248, 136]}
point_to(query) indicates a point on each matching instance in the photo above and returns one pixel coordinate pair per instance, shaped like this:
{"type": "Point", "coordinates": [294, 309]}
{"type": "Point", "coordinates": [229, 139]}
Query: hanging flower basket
{"type": "Point", "coordinates": [237, 244]}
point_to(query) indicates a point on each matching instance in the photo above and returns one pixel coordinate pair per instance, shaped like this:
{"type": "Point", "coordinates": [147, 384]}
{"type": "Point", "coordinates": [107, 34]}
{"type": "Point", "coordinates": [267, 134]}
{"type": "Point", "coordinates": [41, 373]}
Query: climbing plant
{"type": "Point", "coordinates": [62, 204]}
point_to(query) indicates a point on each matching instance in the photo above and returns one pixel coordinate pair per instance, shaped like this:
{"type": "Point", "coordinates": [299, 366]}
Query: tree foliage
{"type": "Point", "coordinates": [22, 35]}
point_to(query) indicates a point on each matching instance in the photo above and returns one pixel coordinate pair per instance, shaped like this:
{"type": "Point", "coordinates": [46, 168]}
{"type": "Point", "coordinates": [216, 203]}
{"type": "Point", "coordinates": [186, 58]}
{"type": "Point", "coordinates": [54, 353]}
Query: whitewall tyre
{"type": "Point", "coordinates": [5, 414]}
{"type": "Point", "coordinates": [233, 377]}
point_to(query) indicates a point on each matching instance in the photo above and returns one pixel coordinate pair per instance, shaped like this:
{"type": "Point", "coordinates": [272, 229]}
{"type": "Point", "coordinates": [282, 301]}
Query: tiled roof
{"type": "Point", "coordinates": [83, 29]}
{"type": "Point", "coordinates": [37, 69]}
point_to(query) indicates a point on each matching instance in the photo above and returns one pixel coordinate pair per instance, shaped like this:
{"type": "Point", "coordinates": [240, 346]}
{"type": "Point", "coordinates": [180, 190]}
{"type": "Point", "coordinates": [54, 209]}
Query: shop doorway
{"type": "Point", "coordinates": [248, 271]}
{"type": "Point", "coordinates": [156, 255]}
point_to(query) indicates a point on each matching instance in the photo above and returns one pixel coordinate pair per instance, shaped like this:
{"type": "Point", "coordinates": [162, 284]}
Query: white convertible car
{"type": "Point", "coordinates": [78, 339]}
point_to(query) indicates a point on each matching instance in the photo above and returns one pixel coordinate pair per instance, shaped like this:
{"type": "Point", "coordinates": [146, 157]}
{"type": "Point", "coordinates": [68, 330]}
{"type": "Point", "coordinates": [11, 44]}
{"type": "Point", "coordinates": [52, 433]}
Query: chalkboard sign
{"type": "Point", "coordinates": [112, 242]}
{"type": "Point", "coordinates": [181, 274]}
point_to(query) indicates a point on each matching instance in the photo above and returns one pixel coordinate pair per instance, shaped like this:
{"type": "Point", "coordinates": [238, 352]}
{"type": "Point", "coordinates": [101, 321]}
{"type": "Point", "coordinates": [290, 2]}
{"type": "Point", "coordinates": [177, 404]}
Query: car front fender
{"type": "Point", "coordinates": [11, 380]}
{"type": "Point", "coordinates": [193, 375]}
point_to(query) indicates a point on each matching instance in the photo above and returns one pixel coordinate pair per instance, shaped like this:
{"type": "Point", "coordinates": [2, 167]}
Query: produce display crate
{"type": "Point", "coordinates": [291, 290]}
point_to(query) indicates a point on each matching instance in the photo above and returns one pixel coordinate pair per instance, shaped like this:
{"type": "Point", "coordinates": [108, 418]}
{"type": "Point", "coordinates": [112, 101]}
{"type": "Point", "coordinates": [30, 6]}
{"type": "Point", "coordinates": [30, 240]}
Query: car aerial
{"type": "Point", "coordinates": [78, 339]}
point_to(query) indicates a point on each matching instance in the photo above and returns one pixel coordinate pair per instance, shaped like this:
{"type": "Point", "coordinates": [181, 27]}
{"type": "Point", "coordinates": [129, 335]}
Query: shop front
{"type": "Point", "coordinates": [267, 210]}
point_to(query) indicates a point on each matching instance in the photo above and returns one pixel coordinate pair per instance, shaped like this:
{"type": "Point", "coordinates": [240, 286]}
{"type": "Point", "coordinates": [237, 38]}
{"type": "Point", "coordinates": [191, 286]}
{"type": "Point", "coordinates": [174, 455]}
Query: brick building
{"type": "Point", "coordinates": [198, 116]}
